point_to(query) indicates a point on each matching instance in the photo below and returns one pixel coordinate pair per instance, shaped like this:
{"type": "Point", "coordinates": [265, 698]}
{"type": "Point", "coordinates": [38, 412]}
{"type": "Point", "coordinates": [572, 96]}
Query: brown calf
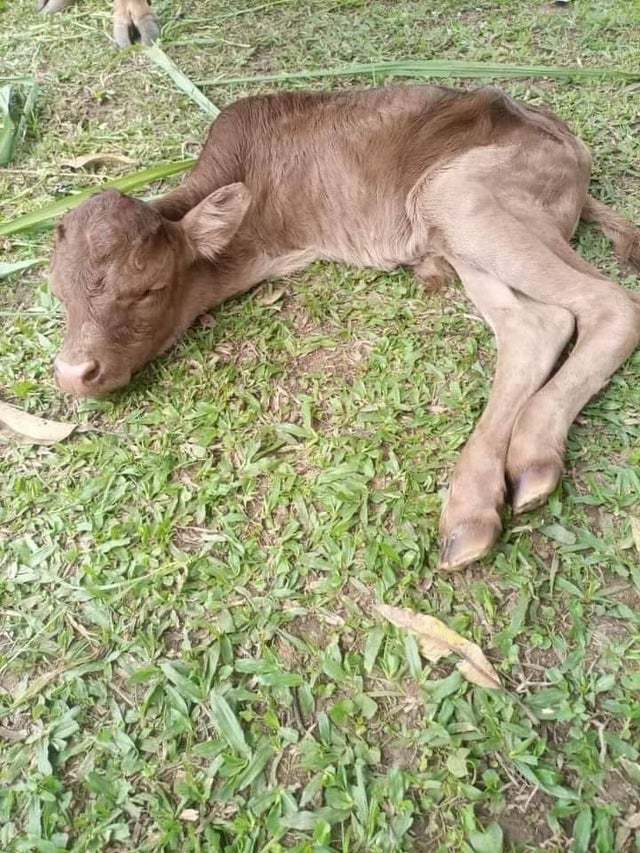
{"type": "Point", "coordinates": [422, 176]}
{"type": "Point", "coordinates": [131, 19]}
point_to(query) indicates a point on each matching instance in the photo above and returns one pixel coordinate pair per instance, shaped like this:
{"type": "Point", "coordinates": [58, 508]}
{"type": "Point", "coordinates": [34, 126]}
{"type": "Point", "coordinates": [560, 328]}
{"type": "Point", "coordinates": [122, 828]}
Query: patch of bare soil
{"type": "Point", "coordinates": [619, 790]}
{"type": "Point", "coordinates": [537, 661]}
{"type": "Point", "coordinates": [606, 631]}
{"type": "Point", "coordinates": [524, 821]}
{"type": "Point", "coordinates": [397, 753]}
{"type": "Point", "coordinates": [310, 629]}
{"type": "Point", "coordinates": [290, 773]}
{"type": "Point", "coordinates": [298, 317]}
{"type": "Point", "coordinates": [409, 707]}
{"type": "Point", "coordinates": [237, 352]}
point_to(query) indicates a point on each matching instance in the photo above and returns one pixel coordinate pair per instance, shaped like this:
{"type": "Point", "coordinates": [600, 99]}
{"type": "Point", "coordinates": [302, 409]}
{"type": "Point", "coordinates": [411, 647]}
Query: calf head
{"type": "Point", "coordinates": [124, 276]}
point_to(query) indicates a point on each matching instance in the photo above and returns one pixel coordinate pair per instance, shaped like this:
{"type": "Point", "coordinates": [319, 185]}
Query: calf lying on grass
{"type": "Point", "coordinates": [434, 179]}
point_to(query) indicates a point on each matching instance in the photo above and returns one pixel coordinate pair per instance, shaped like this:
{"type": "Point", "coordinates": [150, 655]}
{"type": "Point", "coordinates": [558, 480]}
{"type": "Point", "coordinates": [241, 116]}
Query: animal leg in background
{"type": "Point", "coordinates": [130, 18]}
{"type": "Point", "coordinates": [51, 6]}
{"type": "Point", "coordinates": [530, 337]}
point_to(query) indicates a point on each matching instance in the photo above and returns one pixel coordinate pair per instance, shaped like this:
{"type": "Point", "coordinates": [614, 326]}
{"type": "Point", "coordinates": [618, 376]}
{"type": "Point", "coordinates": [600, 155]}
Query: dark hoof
{"type": "Point", "coordinates": [531, 489]}
{"type": "Point", "coordinates": [467, 544]}
{"type": "Point", "coordinates": [51, 6]}
{"type": "Point", "coordinates": [149, 29]}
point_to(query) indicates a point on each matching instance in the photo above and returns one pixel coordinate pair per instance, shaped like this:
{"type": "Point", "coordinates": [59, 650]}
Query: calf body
{"type": "Point", "coordinates": [426, 177]}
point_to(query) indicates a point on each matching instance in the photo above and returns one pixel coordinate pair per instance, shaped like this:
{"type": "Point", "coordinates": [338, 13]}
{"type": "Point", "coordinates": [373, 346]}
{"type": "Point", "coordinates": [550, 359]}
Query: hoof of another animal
{"type": "Point", "coordinates": [532, 488]}
{"type": "Point", "coordinates": [148, 28]}
{"type": "Point", "coordinates": [145, 29]}
{"type": "Point", "coordinates": [467, 544]}
{"type": "Point", "coordinates": [121, 33]}
{"type": "Point", "coordinates": [51, 6]}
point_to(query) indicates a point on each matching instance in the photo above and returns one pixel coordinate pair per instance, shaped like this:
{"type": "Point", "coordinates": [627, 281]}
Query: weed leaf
{"type": "Point", "coordinates": [227, 724]}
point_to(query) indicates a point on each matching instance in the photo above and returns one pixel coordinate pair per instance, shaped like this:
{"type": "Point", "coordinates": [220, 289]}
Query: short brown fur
{"type": "Point", "coordinates": [439, 180]}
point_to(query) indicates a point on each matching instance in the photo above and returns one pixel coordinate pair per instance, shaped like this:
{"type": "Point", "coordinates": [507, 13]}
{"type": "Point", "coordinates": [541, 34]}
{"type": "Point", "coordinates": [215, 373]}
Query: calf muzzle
{"type": "Point", "coordinates": [80, 378]}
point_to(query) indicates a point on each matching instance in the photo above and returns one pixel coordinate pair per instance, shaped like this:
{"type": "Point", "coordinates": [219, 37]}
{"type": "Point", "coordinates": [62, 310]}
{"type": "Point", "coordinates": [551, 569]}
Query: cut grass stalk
{"type": "Point", "coordinates": [430, 68]}
{"type": "Point", "coordinates": [11, 268]}
{"type": "Point", "coordinates": [43, 217]}
{"type": "Point", "coordinates": [16, 107]}
{"type": "Point", "coordinates": [184, 84]}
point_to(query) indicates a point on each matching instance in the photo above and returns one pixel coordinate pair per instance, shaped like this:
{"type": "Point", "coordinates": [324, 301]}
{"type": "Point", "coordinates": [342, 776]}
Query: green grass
{"type": "Point", "coordinates": [189, 660]}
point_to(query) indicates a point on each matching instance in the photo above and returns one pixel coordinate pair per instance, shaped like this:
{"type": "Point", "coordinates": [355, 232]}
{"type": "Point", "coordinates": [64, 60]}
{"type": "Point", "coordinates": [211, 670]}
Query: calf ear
{"type": "Point", "coordinates": [210, 225]}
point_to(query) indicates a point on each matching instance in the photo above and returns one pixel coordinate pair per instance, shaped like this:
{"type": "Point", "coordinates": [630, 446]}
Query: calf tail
{"type": "Point", "coordinates": [624, 236]}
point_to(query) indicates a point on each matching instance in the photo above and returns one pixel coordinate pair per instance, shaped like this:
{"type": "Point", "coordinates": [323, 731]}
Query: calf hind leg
{"type": "Point", "coordinates": [608, 332]}
{"type": "Point", "coordinates": [608, 325]}
{"type": "Point", "coordinates": [530, 336]}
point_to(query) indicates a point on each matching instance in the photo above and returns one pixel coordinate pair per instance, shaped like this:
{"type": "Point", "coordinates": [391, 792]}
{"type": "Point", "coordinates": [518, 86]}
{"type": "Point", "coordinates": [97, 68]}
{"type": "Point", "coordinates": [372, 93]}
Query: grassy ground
{"type": "Point", "coordinates": [188, 654]}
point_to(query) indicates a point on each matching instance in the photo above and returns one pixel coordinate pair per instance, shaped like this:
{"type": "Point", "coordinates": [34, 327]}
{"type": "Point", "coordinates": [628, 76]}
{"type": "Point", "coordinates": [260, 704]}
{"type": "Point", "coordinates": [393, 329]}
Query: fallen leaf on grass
{"type": "Point", "coordinates": [32, 429]}
{"type": "Point", "coordinates": [270, 295]}
{"type": "Point", "coordinates": [12, 735]}
{"type": "Point", "coordinates": [99, 159]}
{"type": "Point", "coordinates": [191, 815]}
{"type": "Point", "coordinates": [437, 641]}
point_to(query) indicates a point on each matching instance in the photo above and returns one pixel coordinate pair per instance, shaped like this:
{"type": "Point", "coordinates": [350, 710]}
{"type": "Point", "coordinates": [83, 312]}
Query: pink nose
{"type": "Point", "coordinates": [74, 376]}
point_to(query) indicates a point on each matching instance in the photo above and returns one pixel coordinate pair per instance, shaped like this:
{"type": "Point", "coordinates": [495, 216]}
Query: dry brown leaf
{"type": "Point", "coordinates": [269, 295]}
{"type": "Point", "coordinates": [437, 640]}
{"type": "Point", "coordinates": [99, 159]}
{"type": "Point", "coordinates": [635, 532]}
{"type": "Point", "coordinates": [191, 815]}
{"type": "Point", "coordinates": [12, 735]}
{"type": "Point", "coordinates": [31, 429]}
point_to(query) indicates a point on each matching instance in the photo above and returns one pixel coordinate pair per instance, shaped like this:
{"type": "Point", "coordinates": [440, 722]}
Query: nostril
{"type": "Point", "coordinates": [92, 372]}
{"type": "Point", "coordinates": [85, 372]}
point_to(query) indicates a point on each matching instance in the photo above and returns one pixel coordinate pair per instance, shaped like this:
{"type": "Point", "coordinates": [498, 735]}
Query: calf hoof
{"type": "Point", "coordinates": [467, 543]}
{"type": "Point", "coordinates": [532, 487]}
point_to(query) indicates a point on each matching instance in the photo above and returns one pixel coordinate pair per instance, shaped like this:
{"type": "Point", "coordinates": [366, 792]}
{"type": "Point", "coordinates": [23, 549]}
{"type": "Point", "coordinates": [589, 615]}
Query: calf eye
{"type": "Point", "coordinates": [150, 291]}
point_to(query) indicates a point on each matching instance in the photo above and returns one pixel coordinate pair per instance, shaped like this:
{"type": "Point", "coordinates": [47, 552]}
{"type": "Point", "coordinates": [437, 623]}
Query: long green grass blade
{"type": "Point", "coordinates": [27, 109]}
{"type": "Point", "coordinates": [430, 68]}
{"type": "Point", "coordinates": [8, 127]}
{"type": "Point", "coordinates": [43, 217]}
{"type": "Point", "coordinates": [157, 55]}
{"type": "Point", "coordinates": [9, 268]}
{"type": "Point", "coordinates": [16, 108]}
{"type": "Point", "coordinates": [227, 724]}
